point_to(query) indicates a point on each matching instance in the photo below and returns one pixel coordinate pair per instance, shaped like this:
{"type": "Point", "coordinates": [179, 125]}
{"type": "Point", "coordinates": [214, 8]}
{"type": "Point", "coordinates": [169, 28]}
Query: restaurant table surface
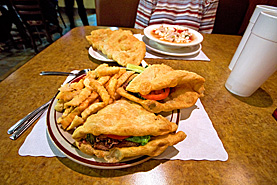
{"type": "Point", "coordinates": [245, 126]}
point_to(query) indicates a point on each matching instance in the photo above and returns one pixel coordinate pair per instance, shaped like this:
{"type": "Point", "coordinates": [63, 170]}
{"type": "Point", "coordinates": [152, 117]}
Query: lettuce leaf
{"type": "Point", "coordinates": [90, 138]}
{"type": "Point", "coordinates": [143, 140]}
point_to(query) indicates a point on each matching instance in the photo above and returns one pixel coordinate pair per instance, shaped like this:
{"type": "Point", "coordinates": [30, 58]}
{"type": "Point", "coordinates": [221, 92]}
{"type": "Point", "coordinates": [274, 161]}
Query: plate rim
{"type": "Point", "coordinates": [148, 29]}
{"type": "Point", "coordinates": [92, 53]}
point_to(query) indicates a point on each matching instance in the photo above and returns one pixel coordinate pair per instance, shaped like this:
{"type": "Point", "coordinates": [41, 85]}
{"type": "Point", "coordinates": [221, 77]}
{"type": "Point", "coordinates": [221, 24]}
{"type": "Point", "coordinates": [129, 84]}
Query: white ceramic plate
{"type": "Point", "coordinates": [171, 51]}
{"type": "Point", "coordinates": [98, 55]}
{"type": "Point", "coordinates": [64, 142]}
{"type": "Point", "coordinates": [198, 38]}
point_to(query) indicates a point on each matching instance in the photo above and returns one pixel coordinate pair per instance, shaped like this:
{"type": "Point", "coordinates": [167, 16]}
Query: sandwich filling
{"type": "Point", "coordinates": [107, 142]}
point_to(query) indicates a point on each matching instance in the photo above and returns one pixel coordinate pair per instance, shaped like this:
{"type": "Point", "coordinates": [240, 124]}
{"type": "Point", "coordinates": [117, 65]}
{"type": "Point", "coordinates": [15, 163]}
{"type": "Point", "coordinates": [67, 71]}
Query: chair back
{"type": "Point", "coordinates": [121, 13]}
{"type": "Point", "coordinates": [39, 18]}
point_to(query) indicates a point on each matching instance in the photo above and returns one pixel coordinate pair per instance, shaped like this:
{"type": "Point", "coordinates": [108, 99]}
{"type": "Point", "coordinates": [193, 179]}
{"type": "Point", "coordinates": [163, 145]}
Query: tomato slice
{"type": "Point", "coordinates": [117, 137]}
{"type": "Point", "coordinates": [157, 94]}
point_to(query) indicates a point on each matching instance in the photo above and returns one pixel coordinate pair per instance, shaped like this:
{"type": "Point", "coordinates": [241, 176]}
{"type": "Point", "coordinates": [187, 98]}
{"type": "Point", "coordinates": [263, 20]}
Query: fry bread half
{"type": "Point", "coordinates": [124, 118]}
{"type": "Point", "coordinates": [186, 87]}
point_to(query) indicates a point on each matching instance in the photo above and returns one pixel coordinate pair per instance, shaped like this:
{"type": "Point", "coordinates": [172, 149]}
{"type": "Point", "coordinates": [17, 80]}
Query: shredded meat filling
{"type": "Point", "coordinates": [103, 142]}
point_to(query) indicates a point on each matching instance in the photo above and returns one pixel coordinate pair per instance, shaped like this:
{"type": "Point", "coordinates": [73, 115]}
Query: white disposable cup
{"type": "Point", "coordinates": [258, 59]}
{"type": "Point", "coordinates": [258, 10]}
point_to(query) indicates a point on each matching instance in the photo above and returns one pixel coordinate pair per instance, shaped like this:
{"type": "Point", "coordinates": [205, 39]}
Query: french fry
{"type": "Point", "coordinates": [103, 79]}
{"type": "Point", "coordinates": [91, 99]}
{"type": "Point", "coordinates": [77, 85]}
{"type": "Point", "coordinates": [96, 90]}
{"type": "Point", "coordinates": [67, 95]}
{"type": "Point", "coordinates": [67, 111]}
{"type": "Point", "coordinates": [66, 120]}
{"type": "Point", "coordinates": [105, 70]}
{"type": "Point", "coordinates": [124, 77]}
{"type": "Point", "coordinates": [77, 121]}
{"type": "Point", "coordinates": [77, 100]}
{"type": "Point", "coordinates": [91, 75]}
{"type": "Point", "coordinates": [99, 88]}
{"type": "Point", "coordinates": [59, 106]}
{"type": "Point", "coordinates": [93, 108]}
{"type": "Point", "coordinates": [111, 87]}
{"type": "Point", "coordinates": [66, 88]}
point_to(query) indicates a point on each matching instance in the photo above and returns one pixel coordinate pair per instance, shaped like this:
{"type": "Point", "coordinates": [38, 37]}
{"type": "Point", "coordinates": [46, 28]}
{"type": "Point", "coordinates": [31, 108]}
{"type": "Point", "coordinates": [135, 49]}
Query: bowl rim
{"type": "Point", "coordinates": [148, 29]}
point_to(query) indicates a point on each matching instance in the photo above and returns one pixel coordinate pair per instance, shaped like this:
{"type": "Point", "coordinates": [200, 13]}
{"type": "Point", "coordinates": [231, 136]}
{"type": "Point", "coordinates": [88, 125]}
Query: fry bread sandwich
{"type": "Point", "coordinates": [160, 88]}
{"type": "Point", "coordinates": [125, 129]}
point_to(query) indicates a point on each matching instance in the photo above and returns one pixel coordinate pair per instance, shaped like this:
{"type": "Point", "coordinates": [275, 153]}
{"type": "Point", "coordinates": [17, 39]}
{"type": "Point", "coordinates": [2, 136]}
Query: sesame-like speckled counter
{"type": "Point", "coordinates": [245, 126]}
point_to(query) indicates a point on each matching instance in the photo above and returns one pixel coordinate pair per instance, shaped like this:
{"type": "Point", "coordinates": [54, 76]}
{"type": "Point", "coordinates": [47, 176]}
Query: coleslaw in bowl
{"type": "Point", "coordinates": [173, 35]}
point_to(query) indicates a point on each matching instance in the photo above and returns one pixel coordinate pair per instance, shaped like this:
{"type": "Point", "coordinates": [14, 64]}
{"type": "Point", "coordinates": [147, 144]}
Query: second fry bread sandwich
{"type": "Point", "coordinates": [160, 88]}
{"type": "Point", "coordinates": [125, 129]}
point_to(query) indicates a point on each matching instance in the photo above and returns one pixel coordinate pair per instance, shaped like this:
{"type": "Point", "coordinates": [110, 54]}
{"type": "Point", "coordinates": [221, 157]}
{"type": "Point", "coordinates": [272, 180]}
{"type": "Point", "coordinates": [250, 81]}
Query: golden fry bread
{"type": "Point", "coordinates": [97, 37]}
{"type": "Point", "coordinates": [77, 121]}
{"type": "Point", "coordinates": [115, 119]}
{"type": "Point", "coordinates": [124, 118]}
{"type": "Point", "coordinates": [185, 88]}
{"type": "Point", "coordinates": [119, 45]}
{"type": "Point", "coordinates": [124, 48]}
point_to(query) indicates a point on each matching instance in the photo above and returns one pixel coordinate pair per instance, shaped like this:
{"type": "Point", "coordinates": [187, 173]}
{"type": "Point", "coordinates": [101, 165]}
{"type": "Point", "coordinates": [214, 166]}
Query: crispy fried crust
{"type": "Point", "coordinates": [119, 45]}
{"type": "Point", "coordinates": [186, 88]}
{"type": "Point", "coordinates": [153, 148]}
{"type": "Point", "coordinates": [124, 118]}
{"type": "Point", "coordinates": [97, 38]}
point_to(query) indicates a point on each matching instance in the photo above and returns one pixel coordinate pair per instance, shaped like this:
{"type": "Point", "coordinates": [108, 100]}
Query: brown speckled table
{"type": "Point", "coordinates": [245, 125]}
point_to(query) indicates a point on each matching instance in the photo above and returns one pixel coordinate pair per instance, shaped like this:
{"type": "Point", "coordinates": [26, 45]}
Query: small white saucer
{"type": "Point", "coordinates": [172, 51]}
{"type": "Point", "coordinates": [99, 55]}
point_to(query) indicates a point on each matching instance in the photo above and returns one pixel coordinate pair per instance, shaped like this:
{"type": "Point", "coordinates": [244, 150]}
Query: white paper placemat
{"type": "Point", "coordinates": [202, 142]}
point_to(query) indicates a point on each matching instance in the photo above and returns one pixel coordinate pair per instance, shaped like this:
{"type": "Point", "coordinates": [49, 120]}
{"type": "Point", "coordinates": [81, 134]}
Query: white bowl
{"type": "Point", "coordinates": [197, 37]}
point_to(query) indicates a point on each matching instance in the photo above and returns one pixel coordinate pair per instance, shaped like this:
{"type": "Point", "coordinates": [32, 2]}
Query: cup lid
{"type": "Point", "coordinates": [266, 26]}
{"type": "Point", "coordinates": [259, 9]}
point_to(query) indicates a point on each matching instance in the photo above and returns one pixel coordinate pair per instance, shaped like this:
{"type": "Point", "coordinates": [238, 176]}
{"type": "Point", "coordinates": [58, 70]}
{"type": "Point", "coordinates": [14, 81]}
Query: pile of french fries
{"type": "Point", "coordinates": [78, 100]}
